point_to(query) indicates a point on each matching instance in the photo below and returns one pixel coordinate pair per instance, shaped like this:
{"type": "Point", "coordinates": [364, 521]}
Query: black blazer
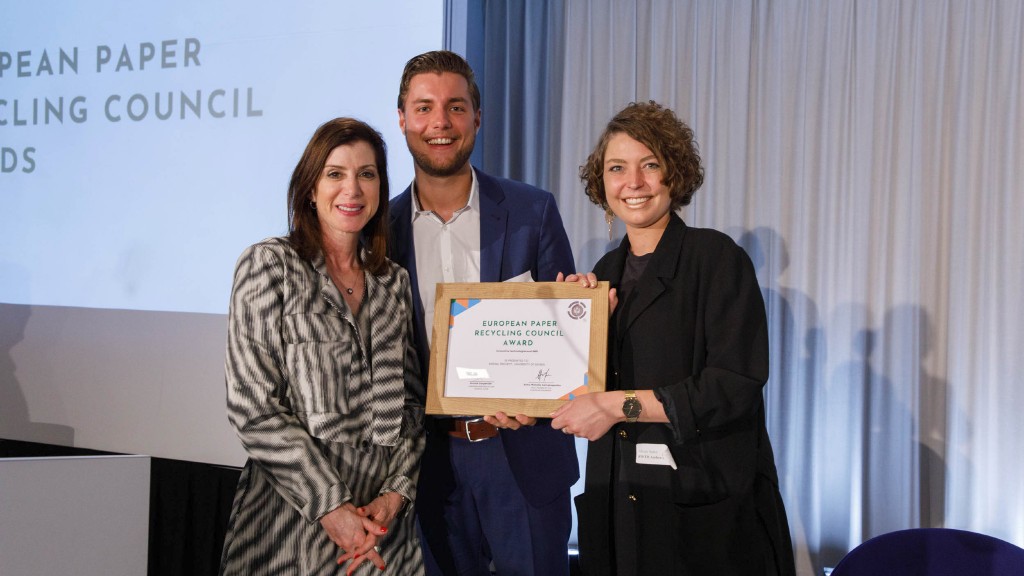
{"type": "Point", "coordinates": [694, 331]}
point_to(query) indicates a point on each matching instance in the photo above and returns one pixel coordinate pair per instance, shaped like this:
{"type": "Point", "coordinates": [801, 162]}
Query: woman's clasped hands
{"type": "Point", "coordinates": [357, 531]}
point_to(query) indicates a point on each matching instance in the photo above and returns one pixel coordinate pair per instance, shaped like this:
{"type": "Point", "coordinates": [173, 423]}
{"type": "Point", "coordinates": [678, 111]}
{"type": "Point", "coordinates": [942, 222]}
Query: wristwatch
{"type": "Point", "coordinates": [631, 407]}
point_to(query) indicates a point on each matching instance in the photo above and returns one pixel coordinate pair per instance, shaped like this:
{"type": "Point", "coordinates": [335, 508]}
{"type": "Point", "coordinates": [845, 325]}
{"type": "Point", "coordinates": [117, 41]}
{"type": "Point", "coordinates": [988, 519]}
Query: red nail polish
{"type": "Point", "coordinates": [383, 529]}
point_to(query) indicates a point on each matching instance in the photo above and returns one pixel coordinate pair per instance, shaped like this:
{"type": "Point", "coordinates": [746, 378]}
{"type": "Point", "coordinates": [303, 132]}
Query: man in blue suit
{"type": "Point", "coordinates": [494, 490]}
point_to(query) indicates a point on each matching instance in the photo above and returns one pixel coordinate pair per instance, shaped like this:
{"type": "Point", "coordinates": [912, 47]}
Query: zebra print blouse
{"type": "Point", "coordinates": [299, 374]}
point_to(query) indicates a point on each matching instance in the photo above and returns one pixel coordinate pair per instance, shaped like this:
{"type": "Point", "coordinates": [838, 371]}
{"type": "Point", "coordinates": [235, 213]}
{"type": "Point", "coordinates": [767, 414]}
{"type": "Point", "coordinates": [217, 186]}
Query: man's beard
{"type": "Point", "coordinates": [425, 163]}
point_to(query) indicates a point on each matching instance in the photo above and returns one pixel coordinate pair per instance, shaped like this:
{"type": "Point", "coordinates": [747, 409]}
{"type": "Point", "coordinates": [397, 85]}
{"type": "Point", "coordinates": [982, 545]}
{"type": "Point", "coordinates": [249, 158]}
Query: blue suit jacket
{"type": "Point", "coordinates": [520, 230]}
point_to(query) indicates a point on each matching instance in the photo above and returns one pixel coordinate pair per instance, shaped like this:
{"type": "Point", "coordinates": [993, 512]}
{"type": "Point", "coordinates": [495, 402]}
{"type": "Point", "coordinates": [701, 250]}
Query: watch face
{"type": "Point", "coordinates": [631, 408]}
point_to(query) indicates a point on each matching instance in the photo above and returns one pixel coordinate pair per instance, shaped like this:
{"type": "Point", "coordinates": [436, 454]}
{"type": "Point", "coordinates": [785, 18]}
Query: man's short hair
{"type": "Point", "coordinates": [438, 62]}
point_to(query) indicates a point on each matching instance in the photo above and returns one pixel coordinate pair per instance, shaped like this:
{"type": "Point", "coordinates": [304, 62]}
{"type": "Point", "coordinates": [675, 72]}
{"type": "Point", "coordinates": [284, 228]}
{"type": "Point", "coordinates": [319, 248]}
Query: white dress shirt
{"type": "Point", "coordinates": [445, 251]}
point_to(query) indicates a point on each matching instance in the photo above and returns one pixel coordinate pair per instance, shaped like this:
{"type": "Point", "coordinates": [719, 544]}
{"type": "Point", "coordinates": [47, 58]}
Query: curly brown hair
{"type": "Point", "coordinates": [666, 135]}
{"type": "Point", "coordinates": [303, 223]}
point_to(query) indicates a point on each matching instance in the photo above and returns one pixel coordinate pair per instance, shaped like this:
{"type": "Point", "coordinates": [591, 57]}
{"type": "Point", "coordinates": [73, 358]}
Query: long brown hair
{"type": "Point", "coordinates": [304, 232]}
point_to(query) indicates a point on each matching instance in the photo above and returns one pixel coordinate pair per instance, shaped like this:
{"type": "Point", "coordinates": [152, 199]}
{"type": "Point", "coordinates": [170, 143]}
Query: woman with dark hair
{"type": "Point", "coordinates": [680, 473]}
{"type": "Point", "coordinates": [322, 378]}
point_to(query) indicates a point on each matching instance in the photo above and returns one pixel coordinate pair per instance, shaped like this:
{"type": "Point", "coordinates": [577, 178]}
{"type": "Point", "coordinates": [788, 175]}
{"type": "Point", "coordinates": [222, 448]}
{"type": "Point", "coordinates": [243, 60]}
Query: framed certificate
{"type": "Point", "coordinates": [517, 347]}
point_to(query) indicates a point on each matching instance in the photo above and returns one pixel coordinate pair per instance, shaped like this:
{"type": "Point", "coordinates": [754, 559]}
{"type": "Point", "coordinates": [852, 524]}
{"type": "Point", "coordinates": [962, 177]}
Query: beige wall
{"type": "Point", "coordinates": [124, 381]}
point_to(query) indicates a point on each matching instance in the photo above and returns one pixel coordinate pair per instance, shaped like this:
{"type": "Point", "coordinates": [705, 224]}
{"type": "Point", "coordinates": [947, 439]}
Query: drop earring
{"type": "Point", "coordinates": [609, 218]}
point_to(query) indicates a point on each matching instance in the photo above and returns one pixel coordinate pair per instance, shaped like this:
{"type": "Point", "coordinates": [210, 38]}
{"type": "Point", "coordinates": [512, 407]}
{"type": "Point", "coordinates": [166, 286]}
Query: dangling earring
{"type": "Point", "coordinates": [608, 218]}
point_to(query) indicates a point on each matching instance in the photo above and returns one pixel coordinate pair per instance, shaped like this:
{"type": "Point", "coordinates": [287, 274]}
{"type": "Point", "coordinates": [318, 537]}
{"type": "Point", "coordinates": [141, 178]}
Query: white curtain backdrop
{"type": "Point", "coordinates": [869, 155]}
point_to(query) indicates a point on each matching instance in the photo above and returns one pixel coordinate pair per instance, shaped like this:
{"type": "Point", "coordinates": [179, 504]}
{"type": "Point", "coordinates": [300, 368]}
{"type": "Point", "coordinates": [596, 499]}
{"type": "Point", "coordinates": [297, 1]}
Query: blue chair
{"type": "Point", "coordinates": [933, 552]}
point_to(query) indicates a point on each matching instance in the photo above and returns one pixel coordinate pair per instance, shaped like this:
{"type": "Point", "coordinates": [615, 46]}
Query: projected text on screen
{"type": "Point", "coordinates": [140, 153]}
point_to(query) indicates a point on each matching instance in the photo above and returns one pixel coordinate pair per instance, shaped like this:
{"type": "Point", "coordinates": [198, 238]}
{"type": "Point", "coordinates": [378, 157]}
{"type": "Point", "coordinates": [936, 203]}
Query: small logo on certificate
{"type": "Point", "coordinates": [577, 310]}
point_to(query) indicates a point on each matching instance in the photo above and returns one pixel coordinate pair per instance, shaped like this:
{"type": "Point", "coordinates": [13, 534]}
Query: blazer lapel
{"type": "Point", "coordinates": [401, 245]}
{"type": "Point", "coordinates": [660, 270]}
{"type": "Point", "coordinates": [493, 221]}
{"type": "Point", "coordinates": [403, 252]}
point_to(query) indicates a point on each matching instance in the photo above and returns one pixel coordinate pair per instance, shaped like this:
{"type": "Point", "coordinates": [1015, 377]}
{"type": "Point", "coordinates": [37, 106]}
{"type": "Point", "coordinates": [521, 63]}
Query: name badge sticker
{"type": "Point", "coordinates": [471, 373]}
{"type": "Point", "coordinates": [656, 454]}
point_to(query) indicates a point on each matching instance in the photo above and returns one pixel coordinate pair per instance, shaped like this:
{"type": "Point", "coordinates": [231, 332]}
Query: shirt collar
{"type": "Point", "coordinates": [472, 203]}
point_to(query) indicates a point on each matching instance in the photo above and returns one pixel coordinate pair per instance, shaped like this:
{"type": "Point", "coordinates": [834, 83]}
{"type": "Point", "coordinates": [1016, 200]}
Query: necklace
{"type": "Point", "coordinates": [354, 286]}
{"type": "Point", "coordinates": [337, 274]}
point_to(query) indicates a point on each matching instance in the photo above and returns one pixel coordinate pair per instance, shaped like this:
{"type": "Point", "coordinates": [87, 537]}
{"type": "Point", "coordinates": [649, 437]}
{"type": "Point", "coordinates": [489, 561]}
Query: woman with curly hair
{"type": "Point", "coordinates": [680, 474]}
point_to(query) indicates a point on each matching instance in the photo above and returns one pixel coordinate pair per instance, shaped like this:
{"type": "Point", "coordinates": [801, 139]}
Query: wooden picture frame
{"type": "Point", "coordinates": [592, 301]}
